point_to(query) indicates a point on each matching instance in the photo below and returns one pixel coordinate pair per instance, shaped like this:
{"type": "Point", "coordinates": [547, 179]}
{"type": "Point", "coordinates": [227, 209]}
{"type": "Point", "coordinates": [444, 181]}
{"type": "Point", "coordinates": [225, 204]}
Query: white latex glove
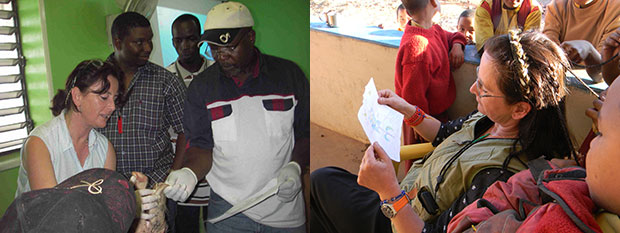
{"type": "Point", "coordinates": [289, 182]}
{"type": "Point", "coordinates": [181, 184]}
{"type": "Point", "coordinates": [147, 199]}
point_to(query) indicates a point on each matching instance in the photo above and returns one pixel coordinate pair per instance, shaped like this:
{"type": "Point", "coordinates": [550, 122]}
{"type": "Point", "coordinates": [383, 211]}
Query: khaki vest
{"type": "Point", "coordinates": [485, 153]}
{"type": "Point", "coordinates": [608, 222]}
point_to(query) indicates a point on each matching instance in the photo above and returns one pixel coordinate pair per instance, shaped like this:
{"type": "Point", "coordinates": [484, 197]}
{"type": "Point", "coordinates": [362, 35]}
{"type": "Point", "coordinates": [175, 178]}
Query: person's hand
{"type": "Point", "coordinates": [456, 56]}
{"type": "Point", "coordinates": [377, 172]}
{"type": "Point", "coordinates": [611, 44]}
{"type": "Point", "coordinates": [578, 50]}
{"type": "Point", "coordinates": [148, 200]}
{"type": "Point", "coordinates": [470, 40]}
{"type": "Point", "coordinates": [289, 182]}
{"type": "Point", "coordinates": [417, 137]}
{"type": "Point", "coordinates": [389, 98]}
{"type": "Point", "coordinates": [181, 184]}
{"type": "Point", "coordinates": [592, 113]}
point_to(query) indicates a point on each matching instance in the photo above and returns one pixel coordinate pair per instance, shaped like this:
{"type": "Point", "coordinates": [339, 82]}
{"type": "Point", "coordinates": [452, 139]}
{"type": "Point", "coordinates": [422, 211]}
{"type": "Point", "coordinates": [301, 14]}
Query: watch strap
{"type": "Point", "coordinates": [394, 199]}
{"type": "Point", "coordinates": [400, 203]}
{"type": "Point", "coordinates": [397, 203]}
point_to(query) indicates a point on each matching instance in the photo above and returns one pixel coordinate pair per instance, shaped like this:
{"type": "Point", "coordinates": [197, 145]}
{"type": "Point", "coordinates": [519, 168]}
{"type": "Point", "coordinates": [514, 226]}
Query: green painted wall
{"type": "Point", "coordinates": [8, 179]}
{"type": "Point", "coordinates": [75, 32]}
{"type": "Point", "coordinates": [283, 29]}
{"type": "Point", "coordinates": [35, 70]}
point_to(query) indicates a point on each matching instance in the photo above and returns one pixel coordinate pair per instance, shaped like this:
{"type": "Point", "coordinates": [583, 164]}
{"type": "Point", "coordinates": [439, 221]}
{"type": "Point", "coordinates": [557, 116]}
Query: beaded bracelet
{"type": "Point", "coordinates": [416, 118]}
{"type": "Point", "coordinates": [393, 199]}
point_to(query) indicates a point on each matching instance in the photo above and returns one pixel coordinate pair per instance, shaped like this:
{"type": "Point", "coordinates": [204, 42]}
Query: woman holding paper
{"type": "Point", "coordinates": [520, 91]}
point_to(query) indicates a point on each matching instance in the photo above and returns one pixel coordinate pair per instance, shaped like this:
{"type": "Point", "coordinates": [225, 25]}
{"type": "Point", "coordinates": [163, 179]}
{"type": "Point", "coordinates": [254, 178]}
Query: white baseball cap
{"type": "Point", "coordinates": [225, 21]}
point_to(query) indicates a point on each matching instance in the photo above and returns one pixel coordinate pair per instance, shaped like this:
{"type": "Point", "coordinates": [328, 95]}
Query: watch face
{"type": "Point", "coordinates": [388, 210]}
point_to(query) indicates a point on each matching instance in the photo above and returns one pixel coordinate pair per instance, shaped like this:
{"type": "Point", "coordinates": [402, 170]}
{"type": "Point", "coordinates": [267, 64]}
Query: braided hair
{"type": "Point", "coordinates": [532, 70]}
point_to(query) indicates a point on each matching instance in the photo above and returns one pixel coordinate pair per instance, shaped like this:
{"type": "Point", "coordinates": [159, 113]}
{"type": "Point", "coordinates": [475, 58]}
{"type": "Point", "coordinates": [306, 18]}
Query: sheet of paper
{"type": "Point", "coordinates": [380, 122]}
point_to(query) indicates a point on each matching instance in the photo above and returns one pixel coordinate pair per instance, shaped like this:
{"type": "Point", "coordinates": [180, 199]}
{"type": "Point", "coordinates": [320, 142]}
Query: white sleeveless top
{"type": "Point", "coordinates": [55, 135]}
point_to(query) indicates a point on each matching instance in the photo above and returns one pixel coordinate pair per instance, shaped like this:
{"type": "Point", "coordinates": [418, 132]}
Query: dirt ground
{"type": "Point", "coordinates": [375, 12]}
{"type": "Point", "coordinates": [329, 148]}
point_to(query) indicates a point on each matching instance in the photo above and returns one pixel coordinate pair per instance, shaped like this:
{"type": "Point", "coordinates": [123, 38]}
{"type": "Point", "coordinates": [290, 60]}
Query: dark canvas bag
{"type": "Point", "coordinates": [95, 200]}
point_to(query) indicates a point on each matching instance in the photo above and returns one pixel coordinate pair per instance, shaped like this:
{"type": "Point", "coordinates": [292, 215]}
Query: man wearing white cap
{"type": "Point", "coordinates": [247, 124]}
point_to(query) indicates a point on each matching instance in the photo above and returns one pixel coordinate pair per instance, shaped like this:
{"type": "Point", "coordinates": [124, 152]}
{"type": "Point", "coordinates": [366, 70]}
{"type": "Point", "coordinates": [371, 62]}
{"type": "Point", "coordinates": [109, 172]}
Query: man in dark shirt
{"type": "Point", "coordinates": [247, 125]}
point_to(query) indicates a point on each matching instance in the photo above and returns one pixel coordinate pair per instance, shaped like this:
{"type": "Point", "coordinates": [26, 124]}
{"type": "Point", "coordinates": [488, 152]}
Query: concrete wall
{"type": "Point", "coordinates": [341, 67]}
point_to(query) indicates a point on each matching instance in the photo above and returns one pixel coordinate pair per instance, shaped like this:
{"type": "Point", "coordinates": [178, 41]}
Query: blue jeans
{"type": "Point", "coordinates": [239, 222]}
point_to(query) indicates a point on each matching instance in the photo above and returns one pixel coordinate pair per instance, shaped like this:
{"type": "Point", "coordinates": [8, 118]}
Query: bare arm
{"type": "Point", "coordinates": [407, 221]}
{"type": "Point", "coordinates": [582, 50]}
{"type": "Point", "coordinates": [377, 173]}
{"type": "Point", "coordinates": [179, 156]}
{"type": "Point", "coordinates": [199, 161]}
{"type": "Point", "coordinates": [110, 160]}
{"type": "Point", "coordinates": [456, 56]}
{"type": "Point", "coordinates": [38, 164]}
{"type": "Point", "coordinates": [610, 47]}
{"type": "Point", "coordinates": [594, 72]}
{"type": "Point", "coordinates": [427, 129]}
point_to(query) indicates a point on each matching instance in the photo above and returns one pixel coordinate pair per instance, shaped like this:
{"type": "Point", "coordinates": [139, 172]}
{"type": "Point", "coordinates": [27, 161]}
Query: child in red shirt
{"type": "Point", "coordinates": [423, 76]}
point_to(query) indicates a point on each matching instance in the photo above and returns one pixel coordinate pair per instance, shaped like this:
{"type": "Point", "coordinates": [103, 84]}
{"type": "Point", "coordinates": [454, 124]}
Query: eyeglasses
{"type": "Point", "coordinates": [478, 86]}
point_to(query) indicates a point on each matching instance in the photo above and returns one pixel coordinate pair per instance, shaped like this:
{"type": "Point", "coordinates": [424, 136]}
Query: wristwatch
{"type": "Point", "coordinates": [390, 207]}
